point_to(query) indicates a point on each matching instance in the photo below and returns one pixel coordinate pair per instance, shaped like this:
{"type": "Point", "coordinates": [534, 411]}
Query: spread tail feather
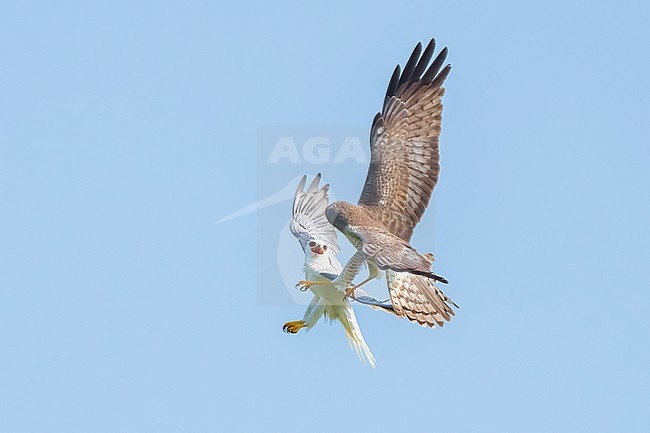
{"type": "Point", "coordinates": [418, 299]}
{"type": "Point", "coordinates": [345, 314]}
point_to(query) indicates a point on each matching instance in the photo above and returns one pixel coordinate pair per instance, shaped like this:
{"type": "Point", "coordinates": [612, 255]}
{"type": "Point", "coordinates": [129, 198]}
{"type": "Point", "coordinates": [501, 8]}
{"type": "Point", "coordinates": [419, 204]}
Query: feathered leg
{"type": "Point", "coordinates": [312, 315]}
{"type": "Point", "coordinates": [373, 272]}
{"type": "Point", "coordinates": [296, 325]}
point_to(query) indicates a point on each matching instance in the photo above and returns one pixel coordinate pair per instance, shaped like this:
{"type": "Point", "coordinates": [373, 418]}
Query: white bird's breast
{"type": "Point", "coordinates": [328, 291]}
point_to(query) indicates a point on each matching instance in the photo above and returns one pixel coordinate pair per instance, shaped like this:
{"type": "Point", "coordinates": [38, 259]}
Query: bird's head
{"type": "Point", "coordinates": [316, 248]}
{"type": "Point", "coordinates": [337, 214]}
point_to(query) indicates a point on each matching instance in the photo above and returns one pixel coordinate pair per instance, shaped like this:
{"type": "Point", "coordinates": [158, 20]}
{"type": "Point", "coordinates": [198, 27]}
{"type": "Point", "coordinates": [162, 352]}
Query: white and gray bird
{"type": "Point", "coordinates": [318, 240]}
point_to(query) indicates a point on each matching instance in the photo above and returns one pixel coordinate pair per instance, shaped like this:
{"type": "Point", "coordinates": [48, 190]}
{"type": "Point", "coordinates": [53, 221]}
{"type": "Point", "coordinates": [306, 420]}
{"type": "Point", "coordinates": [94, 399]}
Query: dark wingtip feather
{"type": "Point", "coordinates": [424, 60]}
{"type": "Point", "coordinates": [442, 76]}
{"type": "Point", "coordinates": [410, 64]}
{"type": "Point", "coordinates": [392, 84]}
{"type": "Point", "coordinates": [433, 70]}
{"type": "Point", "coordinates": [418, 69]}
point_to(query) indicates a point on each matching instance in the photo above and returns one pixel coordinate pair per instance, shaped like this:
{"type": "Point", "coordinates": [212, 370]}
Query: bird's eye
{"type": "Point", "coordinates": [312, 244]}
{"type": "Point", "coordinates": [325, 247]}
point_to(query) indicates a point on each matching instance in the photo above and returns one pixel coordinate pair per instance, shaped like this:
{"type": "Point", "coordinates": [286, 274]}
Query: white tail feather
{"type": "Point", "coordinates": [345, 314]}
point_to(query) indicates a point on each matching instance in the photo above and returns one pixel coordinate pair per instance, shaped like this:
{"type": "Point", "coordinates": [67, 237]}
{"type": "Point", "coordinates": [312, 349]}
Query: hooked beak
{"type": "Point", "coordinates": [317, 250]}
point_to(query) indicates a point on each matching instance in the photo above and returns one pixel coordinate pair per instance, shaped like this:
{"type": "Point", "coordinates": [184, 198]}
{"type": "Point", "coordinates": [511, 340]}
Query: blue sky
{"type": "Point", "coordinates": [127, 130]}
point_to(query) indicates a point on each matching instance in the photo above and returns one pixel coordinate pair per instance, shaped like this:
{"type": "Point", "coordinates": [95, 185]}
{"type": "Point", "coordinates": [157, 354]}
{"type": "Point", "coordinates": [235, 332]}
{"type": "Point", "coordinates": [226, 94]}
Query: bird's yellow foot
{"type": "Point", "coordinates": [293, 327]}
{"type": "Point", "coordinates": [349, 293]}
{"type": "Point", "coordinates": [303, 285]}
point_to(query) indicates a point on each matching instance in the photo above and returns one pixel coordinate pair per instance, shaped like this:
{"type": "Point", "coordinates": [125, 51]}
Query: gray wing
{"type": "Point", "coordinates": [329, 275]}
{"type": "Point", "coordinates": [405, 157]}
{"type": "Point", "coordinates": [392, 252]}
{"type": "Point", "coordinates": [375, 303]}
{"type": "Point", "coordinates": [308, 220]}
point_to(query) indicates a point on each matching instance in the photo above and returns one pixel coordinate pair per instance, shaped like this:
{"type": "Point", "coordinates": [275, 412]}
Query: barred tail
{"type": "Point", "coordinates": [418, 299]}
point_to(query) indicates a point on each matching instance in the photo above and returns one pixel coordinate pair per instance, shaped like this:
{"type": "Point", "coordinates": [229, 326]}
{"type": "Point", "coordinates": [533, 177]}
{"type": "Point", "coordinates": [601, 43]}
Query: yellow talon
{"type": "Point", "coordinates": [349, 293]}
{"type": "Point", "coordinates": [293, 327]}
{"type": "Point", "coordinates": [303, 285]}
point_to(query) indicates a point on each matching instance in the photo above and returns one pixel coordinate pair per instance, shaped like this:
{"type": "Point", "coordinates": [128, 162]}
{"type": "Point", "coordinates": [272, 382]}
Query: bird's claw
{"type": "Point", "coordinates": [349, 293]}
{"type": "Point", "coordinates": [303, 285]}
{"type": "Point", "coordinates": [294, 327]}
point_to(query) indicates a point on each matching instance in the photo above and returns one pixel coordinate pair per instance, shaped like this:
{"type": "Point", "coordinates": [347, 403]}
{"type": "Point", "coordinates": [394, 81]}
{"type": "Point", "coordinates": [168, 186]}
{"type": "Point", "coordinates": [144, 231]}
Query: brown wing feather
{"type": "Point", "coordinates": [391, 252]}
{"type": "Point", "coordinates": [404, 138]}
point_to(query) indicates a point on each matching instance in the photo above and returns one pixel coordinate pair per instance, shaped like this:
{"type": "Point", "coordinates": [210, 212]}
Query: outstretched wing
{"type": "Point", "coordinates": [308, 218]}
{"type": "Point", "coordinates": [392, 252]}
{"type": "Point", "coordinates": [404, 138]}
